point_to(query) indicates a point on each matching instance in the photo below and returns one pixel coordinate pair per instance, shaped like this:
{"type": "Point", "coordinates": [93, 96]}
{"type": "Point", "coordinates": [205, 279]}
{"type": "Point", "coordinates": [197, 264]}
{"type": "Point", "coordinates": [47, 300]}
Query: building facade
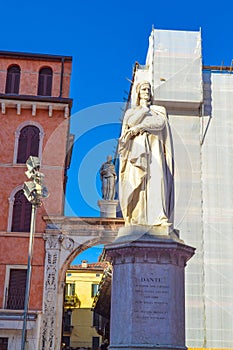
{"type": "Point", "coordinates": [81, 326]}
{"type": "Point", "coordinates": [34, 110]}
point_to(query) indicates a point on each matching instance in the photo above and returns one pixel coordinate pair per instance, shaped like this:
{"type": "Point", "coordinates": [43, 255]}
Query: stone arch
{"type": "Point", "coordinates": [64, 238]}
{"type": "Point", "coordinates": [88, 244]}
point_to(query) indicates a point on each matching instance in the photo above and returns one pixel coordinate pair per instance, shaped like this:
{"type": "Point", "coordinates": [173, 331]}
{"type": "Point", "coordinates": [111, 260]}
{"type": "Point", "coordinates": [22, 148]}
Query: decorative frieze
{"type": "Point", "coordinates": [158, 254]}
{"type": "Point", "coordinates": [20, 105]}
{"type": "Point", "coordinates": [48, 330]}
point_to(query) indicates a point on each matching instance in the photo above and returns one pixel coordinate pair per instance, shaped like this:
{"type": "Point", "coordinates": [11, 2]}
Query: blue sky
{"type": "Point", "coordinates": [105, 39]}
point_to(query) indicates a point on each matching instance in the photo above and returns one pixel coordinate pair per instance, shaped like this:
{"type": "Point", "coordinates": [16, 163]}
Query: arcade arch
{"type": "Point", "coordinates": [65, 238]}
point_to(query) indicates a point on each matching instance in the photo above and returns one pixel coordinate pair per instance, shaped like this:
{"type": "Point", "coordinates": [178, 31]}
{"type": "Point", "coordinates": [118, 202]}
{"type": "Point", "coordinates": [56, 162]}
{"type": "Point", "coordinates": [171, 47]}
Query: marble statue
{"type": "Point", "coordinates": [146, 163]}
{"type": "Point", "coordinates": [108, 177]}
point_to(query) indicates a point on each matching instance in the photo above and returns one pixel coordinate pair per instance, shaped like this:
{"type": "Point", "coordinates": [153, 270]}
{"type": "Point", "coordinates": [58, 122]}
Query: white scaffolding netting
{"type": "Point", "coordinates": [203, 147]}
{"type": "Point", "coordinates": [217, 171]}
{"type": "Point", "coordinates": [173, 66]}
{"type": "Point", "coordinates": [175, 61]}
{"type": "Point", "coordinates": [204, 159]}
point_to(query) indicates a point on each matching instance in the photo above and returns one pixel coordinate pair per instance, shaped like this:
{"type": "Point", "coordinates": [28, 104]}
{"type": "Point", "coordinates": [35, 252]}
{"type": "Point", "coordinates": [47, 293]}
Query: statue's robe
{"type": "Point", "coordinates": [146, 189]}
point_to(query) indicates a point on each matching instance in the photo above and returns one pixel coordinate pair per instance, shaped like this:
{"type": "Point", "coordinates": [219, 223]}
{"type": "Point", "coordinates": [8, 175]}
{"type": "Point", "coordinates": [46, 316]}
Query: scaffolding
{"type": "Point", "coordinates": [199, 102]}
{"type": "Point", "coordinates": [173, 66]}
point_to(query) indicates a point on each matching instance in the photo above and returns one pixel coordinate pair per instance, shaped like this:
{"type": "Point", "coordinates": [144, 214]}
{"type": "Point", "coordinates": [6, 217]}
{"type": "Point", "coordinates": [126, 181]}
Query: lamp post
{"type": "Point", "coordinates": [34, 191]}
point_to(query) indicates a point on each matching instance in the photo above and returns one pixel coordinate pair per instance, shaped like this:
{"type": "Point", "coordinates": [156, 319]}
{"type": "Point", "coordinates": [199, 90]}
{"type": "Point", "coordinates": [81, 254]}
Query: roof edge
{"type": "Point", "coordinates": [36, 98]}
{"type": "Point", "coordinates": [35, 56]}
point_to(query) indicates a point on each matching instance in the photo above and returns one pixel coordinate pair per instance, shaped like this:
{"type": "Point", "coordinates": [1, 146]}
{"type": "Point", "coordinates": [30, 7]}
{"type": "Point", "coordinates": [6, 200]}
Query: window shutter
{"type": "Point", "coordinates": [94, 289]}
{"type": "Point", "coordinates": [28, 144]}
{"type": "Point", "coordinates": [13, 80]}
{"type": "Point", "coordinates": [40, 85]}
{"type": "Point", "coordinates": [70, 289]}
{"type": "Point", "coordinates": [16, 217]}
{"type": "Point", "coordinates": [16, 289]}
{"type": "Point", "coordinates": [33, 141]}
{"type": "Point", "coordinates": [73, 289]}
{"type": "Point", "coordinates": [3, 343]}
{"type": "Point", "coordinates": [48, 85]}
{"type": "Point", "coordinates": [16, 83]}
{"type": "Point", "coordinates": [27, 215]}
{"type": "Point", "coordinates": [21, 217]}
{"type": "Point", "coordinates": [45, 82]}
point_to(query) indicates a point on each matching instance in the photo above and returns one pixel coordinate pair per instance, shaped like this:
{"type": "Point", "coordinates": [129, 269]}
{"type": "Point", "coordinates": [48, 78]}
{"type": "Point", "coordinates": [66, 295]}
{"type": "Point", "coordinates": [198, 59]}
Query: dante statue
{"type": "Point", "coordinates": [108, 177]}
{"type": "Point", "coordinates": [146, 163]}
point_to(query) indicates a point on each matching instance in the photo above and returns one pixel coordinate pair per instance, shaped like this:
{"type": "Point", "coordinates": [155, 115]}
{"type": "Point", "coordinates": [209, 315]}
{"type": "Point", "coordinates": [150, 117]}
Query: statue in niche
{"type": "Point", "coordinates": [146, 163]}
{"type": "Point", "coordinates": [108, 177]}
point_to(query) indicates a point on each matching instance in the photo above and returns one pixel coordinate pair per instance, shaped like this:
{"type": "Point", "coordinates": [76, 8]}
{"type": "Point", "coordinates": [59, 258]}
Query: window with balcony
{"type": "Point", "coordinates": [70, 289]}
{"type": "Point", "coordinates": [45, 82]}
{"type": "Point", "coordinates": [15, 293]}
{"type": "Point", "coordinates": [12, 80]}
{"type": "Point", "coordinates": [21, 214]}
{"type": "Point", "coordinates": [71, 298]}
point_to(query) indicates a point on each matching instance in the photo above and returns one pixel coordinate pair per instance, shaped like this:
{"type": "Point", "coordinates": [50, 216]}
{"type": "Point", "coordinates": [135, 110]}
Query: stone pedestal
{"type": "Point", "coordinates": [148, 301]}
{"type": "Point", "coordinates": [108, 208]}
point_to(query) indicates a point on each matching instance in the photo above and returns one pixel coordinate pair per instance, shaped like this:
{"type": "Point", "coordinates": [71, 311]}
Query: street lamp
{"type": "Point", "coordinates": [34, 191]}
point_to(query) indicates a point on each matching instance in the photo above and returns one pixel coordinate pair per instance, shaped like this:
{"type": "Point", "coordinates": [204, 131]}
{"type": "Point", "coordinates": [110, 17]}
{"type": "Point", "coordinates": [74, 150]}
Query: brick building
{"type": "Point", "coordinates": [34, 112]}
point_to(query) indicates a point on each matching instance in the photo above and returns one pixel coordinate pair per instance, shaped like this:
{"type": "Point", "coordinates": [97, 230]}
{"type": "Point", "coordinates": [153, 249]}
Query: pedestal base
{"type": "Point", "coordinates": [145, 347]}
{"type": "Point", "coordinates": [108, 208]}
{"type": "Point", "coordinates": [148, 310]}
{"type": "Point", "coordinates": [136, 232]}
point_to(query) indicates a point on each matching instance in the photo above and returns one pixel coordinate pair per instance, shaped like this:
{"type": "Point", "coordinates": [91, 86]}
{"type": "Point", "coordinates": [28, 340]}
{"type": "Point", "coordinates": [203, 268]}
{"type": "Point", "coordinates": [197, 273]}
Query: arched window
{"type": "Point", "coordinates": [21, 215]}
{"type": "Point", "coordinates": [19, 135]}
{"type": "Point", "coordinates": [12, 80]}
{"type": "Point", "coordinates": [28, 143]}
{"type": "Point", "coordinates": [45, 82]}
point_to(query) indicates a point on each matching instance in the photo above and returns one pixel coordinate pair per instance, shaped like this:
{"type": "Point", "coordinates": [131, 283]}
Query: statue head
{"type": "Point", "coordinates": [143, 92]}
{"type": "Point", "coordinates": [109, 159]}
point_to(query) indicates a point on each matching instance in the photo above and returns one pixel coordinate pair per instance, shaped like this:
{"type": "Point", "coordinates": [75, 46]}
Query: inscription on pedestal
{"type": "Point", "coordinates": [151, 298]}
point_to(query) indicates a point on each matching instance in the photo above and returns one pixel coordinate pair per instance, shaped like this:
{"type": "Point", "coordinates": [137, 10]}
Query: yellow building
{"type": "Point", "coordinates": [80, 324]}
